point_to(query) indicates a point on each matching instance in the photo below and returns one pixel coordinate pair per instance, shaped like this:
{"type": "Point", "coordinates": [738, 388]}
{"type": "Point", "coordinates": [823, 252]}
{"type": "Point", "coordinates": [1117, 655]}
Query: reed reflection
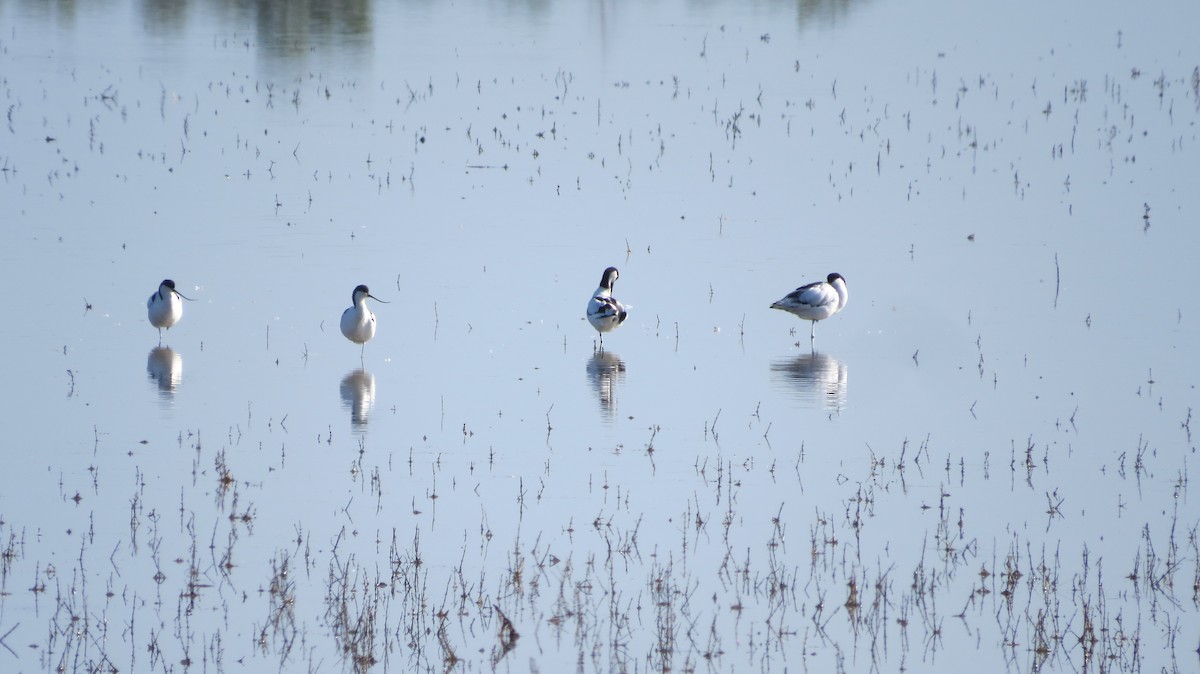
{"type": "Point", "coordinates": [605, 371]}
{"type": "Point", "coordinates": [358, 395]}
{"type": "Point", "coordinates": [164, 366]}
{"type": "Point", "coordinates": [817, 378]}
{"type": "Point", "coordinates": [290, 27]}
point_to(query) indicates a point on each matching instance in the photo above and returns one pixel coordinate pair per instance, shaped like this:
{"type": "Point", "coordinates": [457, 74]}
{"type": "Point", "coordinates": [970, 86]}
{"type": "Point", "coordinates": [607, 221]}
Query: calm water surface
{"type": "Point", "coordinates": [983, 461]}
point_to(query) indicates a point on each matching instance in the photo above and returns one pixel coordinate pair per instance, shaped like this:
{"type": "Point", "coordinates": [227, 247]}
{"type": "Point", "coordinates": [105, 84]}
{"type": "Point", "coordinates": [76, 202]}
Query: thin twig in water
{"type": "Point", "coordinates": [5, 645]}
{"type": "Point", "coordinates": [1057, 280]}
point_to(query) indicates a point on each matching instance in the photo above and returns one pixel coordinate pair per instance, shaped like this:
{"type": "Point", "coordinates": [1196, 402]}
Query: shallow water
{"type": "Point", "coordinates": [1006, 483]}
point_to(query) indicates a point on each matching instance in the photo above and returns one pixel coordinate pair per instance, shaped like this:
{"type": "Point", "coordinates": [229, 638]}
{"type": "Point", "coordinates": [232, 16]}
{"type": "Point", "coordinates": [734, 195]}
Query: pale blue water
{"type": "Point", "coordinates": [1009, 193]}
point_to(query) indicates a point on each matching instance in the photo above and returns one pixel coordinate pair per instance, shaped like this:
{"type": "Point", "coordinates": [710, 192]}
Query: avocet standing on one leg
{"type": "Point", "coordinates": [816, 301]}
{"type": "Point", "coordinates": [165, 308]}
{"type": "Point", "coordinates": [358, 322]}
{"type": "Point", "coordinates": [603, 311]}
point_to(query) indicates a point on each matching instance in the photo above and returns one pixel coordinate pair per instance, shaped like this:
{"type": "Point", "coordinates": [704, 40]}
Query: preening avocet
{"type": "Point", "coordinates": [603, 311]}
{"type": "Point", "coordinates": [816, 301]}
{"type": "Point", "coordinates": [164, 307]}
{"type": "Point", "coordinates": [358, 322]}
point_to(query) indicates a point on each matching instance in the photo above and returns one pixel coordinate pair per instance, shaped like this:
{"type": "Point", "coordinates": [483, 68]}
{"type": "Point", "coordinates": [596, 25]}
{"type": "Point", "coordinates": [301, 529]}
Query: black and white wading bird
{"type": "Point", "coordinates": [604, 312]}
{"type": "Point", "coordinates": [165, 308]}
{"type": "Point", "coordinates": [816, 301]}
{"type": "Point", "coordinates": [358, 322]}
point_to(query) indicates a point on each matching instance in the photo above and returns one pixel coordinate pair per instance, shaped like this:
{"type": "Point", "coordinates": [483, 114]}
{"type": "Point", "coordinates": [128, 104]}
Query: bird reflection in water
{"type": "Point", "coordinates": [358, 395]}
{"type": "Point", "coordinates": [818, 379]}
{"type": "Point", "coordinates": [165, 368]}
{"type": "Point", "coordinates": [605, 371]}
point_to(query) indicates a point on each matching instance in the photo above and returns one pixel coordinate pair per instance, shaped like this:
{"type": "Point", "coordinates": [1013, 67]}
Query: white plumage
{"type": "Point", "coordinates": [604, 312]}
{"type": "Point", "coordinates": [358, 322]}
{"type": "Point", "coordinates": [165, 306]}
{"type": "Point", "coordinates": [816, 301]}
